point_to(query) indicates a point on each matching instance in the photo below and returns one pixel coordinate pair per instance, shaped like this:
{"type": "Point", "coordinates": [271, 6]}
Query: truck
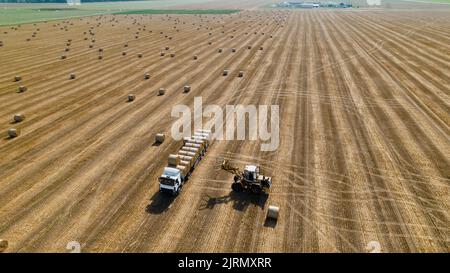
{"type": "Point", "coordinates": [181, 165]}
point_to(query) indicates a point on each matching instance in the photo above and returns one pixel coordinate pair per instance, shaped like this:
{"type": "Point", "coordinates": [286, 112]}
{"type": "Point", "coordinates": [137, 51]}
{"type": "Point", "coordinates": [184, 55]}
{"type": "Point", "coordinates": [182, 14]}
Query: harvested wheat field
{"type": "Point", "coordinates": [364, 99]}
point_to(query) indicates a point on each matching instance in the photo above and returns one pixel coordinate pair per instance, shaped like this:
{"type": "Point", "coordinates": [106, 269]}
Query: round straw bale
{"type": "Point", "coordinates": [18, 117]}
{"type": "Point", "coordinates": [187, 88]}
{"type": "Point", "coordinates": [273, 212]}
{"type": "Point", "coordinates": [17, 78]}
{"type": "Point", "coordinates": [159, 138]}
{"type": "Point", "coordinates": [161, 91]}
{"type": "Point", "coordinates": [12, 132]}
{"type": "Point", "coordinates": [22, 89]}
{"type": "Point", "coordinates": [131, 97]}
{"type": "Point", "coordinates": [173, 160]}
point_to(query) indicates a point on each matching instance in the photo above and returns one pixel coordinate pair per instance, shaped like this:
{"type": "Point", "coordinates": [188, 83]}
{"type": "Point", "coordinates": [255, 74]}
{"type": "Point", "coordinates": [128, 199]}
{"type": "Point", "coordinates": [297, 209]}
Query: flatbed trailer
{"type": "Point", "coordinates": [180, 166]}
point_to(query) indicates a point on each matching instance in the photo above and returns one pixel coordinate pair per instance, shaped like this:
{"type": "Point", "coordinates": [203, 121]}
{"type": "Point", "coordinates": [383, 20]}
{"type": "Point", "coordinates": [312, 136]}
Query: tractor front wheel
{"type": "Point", "coordinates": [237, 187]}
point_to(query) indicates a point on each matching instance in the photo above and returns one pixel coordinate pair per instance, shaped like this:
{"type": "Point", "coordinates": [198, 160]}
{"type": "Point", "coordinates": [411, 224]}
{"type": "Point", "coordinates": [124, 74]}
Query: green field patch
{"type": "Point", "coordinates": [55, 9]}
{"type": "Point", "coordinates": [12, 16]}
{"type": "Point", "coordinates": [19, 15]}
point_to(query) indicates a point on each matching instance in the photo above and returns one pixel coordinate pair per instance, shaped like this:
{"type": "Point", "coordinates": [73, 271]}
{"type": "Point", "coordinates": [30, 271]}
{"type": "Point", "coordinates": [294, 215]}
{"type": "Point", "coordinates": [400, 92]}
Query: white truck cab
{"type": "Point", "coordinates": [171, 181]}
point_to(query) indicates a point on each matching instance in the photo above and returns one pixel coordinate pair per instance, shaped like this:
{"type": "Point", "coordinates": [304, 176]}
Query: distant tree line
{"type": "Point", "coordinates": [58, 1]}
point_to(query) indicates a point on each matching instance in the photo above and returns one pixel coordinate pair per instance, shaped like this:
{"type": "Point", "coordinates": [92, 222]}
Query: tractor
{"type": "Point", "coordinates": [248, 180]}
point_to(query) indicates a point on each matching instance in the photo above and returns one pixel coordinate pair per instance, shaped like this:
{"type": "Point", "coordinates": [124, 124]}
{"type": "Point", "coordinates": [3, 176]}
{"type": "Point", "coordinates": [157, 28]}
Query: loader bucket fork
{"type": "Point", "coordinates": [228, 168]}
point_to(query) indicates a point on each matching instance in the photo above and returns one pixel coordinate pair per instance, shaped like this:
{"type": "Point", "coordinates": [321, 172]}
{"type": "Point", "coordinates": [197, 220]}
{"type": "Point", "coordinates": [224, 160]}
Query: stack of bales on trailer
{"type": "Point", "coordinates": [190, 154]}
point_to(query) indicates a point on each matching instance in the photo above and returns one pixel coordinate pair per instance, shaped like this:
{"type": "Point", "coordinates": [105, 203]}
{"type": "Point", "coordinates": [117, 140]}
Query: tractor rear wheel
{"type": "Point", "coordinates": [237, 187]}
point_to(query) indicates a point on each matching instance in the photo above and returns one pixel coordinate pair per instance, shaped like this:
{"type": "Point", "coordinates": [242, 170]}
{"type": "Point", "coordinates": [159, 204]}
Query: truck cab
{"type": "Point", "coordinates": [171, 181]}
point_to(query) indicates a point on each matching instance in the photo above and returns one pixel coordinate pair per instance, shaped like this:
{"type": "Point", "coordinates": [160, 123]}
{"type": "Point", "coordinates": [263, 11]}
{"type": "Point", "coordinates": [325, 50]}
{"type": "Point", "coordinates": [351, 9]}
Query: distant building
{"type": "Point", "coordinates": [73, 2]}
{"type": "Point", "coordinates": [373, 2]}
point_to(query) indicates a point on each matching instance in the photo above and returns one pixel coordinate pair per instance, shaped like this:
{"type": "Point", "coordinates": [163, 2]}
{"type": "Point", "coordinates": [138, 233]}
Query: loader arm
{"type": "Point", "coordinates": [228, 168]}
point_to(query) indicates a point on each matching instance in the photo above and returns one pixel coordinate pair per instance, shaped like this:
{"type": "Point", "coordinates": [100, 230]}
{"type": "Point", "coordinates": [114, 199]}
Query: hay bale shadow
{"type": "Point", "coordinates": [156, 143]}
{"type": "Point", "coordinates": [270, 222]}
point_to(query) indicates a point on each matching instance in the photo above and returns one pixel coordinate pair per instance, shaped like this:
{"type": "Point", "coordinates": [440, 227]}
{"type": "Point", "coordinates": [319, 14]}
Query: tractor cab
{"type": "Point", "coordinates": [251, 172]}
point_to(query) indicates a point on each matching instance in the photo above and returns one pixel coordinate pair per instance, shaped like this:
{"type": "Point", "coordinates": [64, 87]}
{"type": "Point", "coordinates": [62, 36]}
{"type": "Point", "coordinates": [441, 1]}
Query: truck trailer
{"type": "Point", "coordinates": [181, 165]}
